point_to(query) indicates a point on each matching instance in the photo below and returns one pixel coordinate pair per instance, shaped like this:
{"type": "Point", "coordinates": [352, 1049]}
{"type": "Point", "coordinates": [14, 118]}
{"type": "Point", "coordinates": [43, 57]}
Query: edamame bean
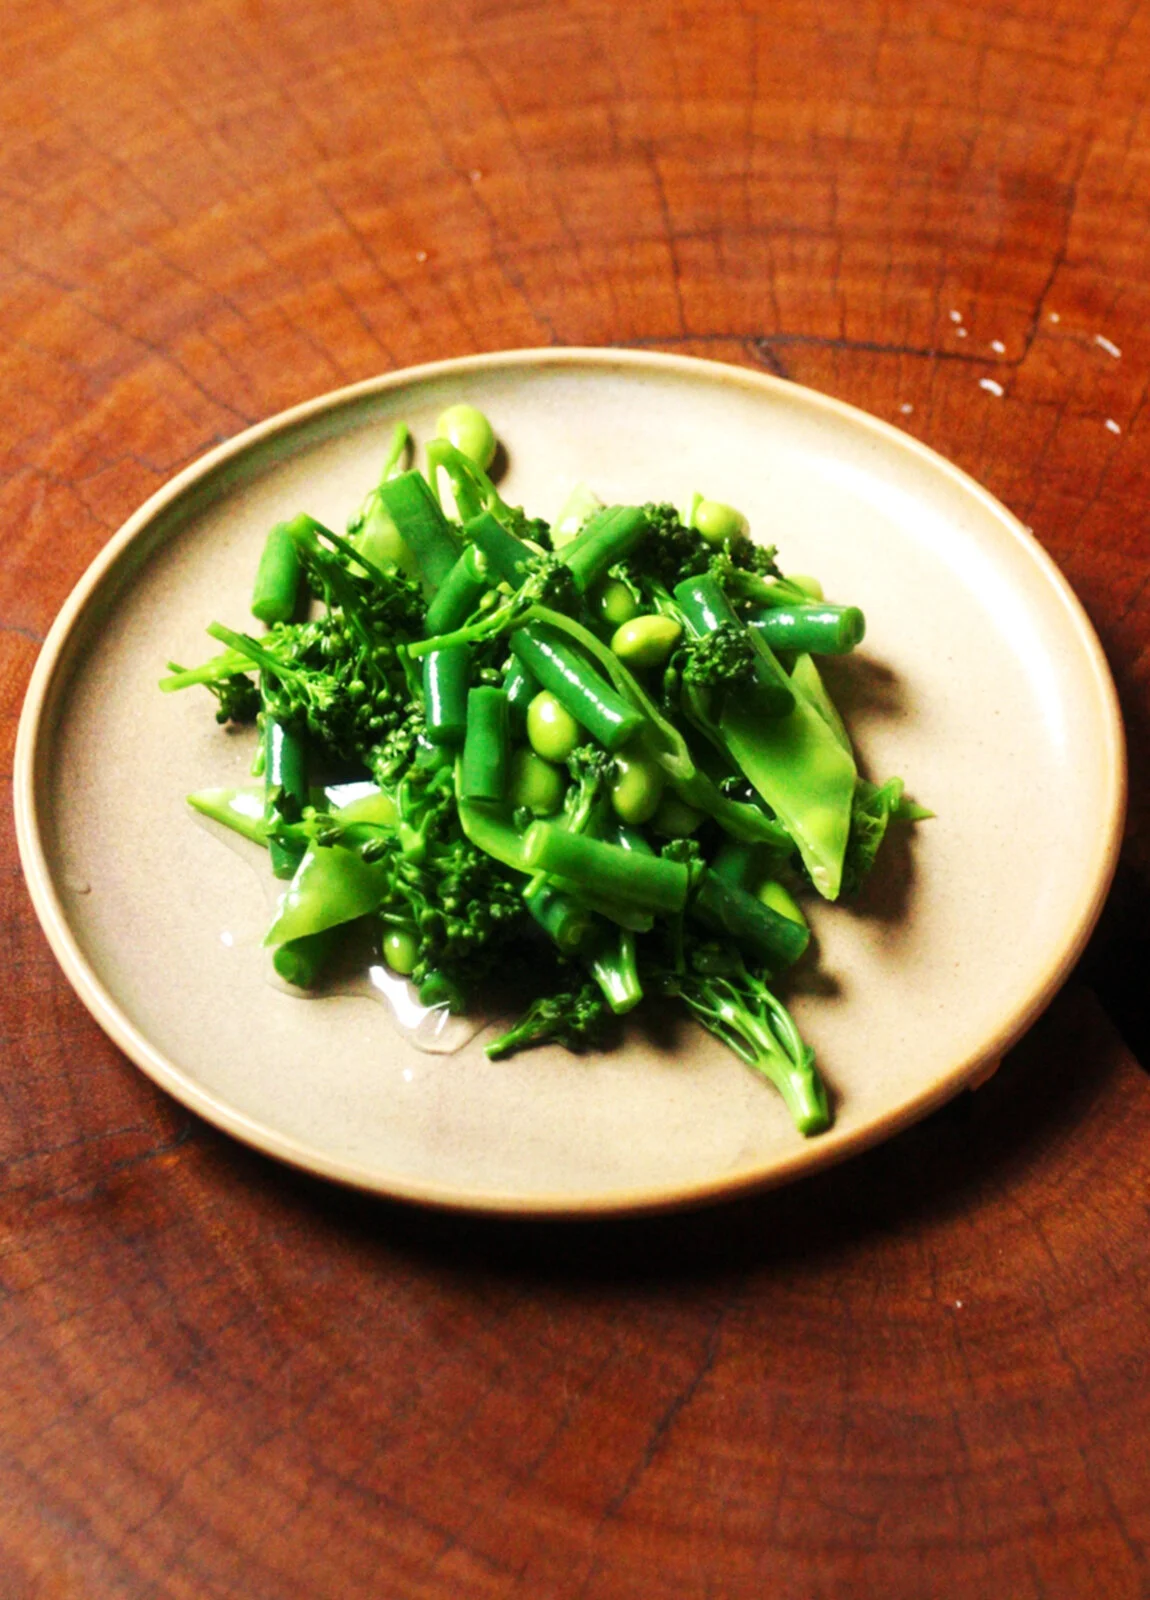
{"type": "Point", "coordinates": [400, 951]}
{"type": "Point", "coordinates": [718, 522]}
{"type": "Point", "coordinates": [646, 641]}
{"type": "Point", "coordinates": [777, 897]}
{"type": "Point", "coordinates": [613, 603]}
{"type": "Point", "coordinates": [535, 783]}
{"type": "Point", "coordinates": [674, 818]}
{"type": "Point", "coordinates": [469, 431]}
{"type": "Point", "coordinates": [637, 788]}
{"type": "Point", "coordinates": [551, 729]}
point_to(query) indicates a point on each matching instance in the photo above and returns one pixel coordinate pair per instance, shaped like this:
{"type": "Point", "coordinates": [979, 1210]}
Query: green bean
{"type": "Point", "coordinates": [605, 539]}
{"type": "Point", "coordinates": [506, 555]}
{"type": "Point", "coordinates": [774, 940]}
{"type": "Point", "coordinates": [301, 962]}
{"type": "Point", "coordinates": [576, 685]}
{"type": "Point", "coordinates": [646, 641]}
{"type": "Point", "coordinates": [458, 594]}
{"type": "Point", "coordinates": [607, 869]}
{"type": "Point", "coordinates": [520, 688]}
{"type": "Point", "coordinates": [446, 680]}
{"type": "Point", "coordinates": [637, 788]}
{"type": "Point", "coordinates": [285, 779]}
{"type": "Point", "coordinates": [276, 589]}
{"type": "Point", "coordinates": [718, 522]}
{"type": "Point", "coordinates": [551, 729]}
{"type": "Point", "coordinates": [559, 915]}
{"type": "Point", "coordinates": [400, 950]}
{"type": "Point", "coordinates": [612, 603]}
{"type": "Point", "coordinates": [817, 629]}
{"type": "Point", "coordinates": [535, 783]}
{"type": "Point", "coordinates": [483, 770]}
{"type": "Point", "coordinates": [469, 431]}
{"type": "Point", "coordinates": [422, 526]}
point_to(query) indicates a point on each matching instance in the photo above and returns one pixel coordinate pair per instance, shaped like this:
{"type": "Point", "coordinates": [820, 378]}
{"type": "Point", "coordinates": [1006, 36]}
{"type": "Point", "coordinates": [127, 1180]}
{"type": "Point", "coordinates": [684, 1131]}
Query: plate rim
{"type": "Point", "coordinates": [34, 732]}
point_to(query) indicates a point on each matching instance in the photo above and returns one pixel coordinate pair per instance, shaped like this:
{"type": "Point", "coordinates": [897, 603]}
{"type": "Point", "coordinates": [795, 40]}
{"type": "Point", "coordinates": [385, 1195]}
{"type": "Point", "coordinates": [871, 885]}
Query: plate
{"type": "Point", "coordinates": [981, 683]}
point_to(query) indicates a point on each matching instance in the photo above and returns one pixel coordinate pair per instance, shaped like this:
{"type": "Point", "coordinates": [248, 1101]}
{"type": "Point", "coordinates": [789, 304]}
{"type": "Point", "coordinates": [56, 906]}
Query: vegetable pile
{"type": "Point", "coordinates": [599, 751]}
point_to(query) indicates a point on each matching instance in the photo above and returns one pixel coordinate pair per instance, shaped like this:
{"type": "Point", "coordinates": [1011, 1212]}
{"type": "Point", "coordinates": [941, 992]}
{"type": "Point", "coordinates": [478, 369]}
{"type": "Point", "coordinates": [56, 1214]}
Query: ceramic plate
{"type": "Point", "coordinates": [980, 682]}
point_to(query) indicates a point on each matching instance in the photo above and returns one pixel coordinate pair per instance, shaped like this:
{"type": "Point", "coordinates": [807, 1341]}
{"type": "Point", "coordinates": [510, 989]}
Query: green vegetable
{"type": "Point", "coordinates": [640, 840]}
{"type": "Point", "coordinates": [469, 431]}
{"type": "Point", "coordinates": [276, 588]}
{"type": "Point", "coordinates": [552, 730]}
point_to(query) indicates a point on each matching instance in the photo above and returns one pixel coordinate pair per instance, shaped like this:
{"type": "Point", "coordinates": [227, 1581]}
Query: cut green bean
{"type": "Point", "coordinates": [285, 789]}
{"type": "Point", "coordinates": [520, 688]}
{"type": "Point", "coordinates": [458, 594]}
{"type": "Point", "coordinates": [607, 869]}
{"type": "Point", "coordinates": [483, 770]}
{"type": "Point", "coordinates": [821, 630]}
{"type": "Point", "coordinates": [422, 526]}
{"type": "Point", "coordinates": [605, 539]}
{"type": "Point", "coordinates": [506, 555]}
{"type": "Point", "coordinates": [774, 940]}
{"type": "Point", "coordinates": [560, 915]}
{"type": "Point", "coordinates": [576, 685]}
{"type": "Point", "coordinates": [446, 681]}
{"type": "Point", "coordinates": [276, 589]}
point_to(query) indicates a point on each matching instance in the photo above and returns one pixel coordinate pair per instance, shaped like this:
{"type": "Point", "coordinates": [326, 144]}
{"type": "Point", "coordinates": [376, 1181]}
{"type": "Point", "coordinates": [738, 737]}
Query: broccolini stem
{"type": "Point", "coordinates": [396, 452]}
{"type": "Point", "coordinates": [614, 969]}
{"type": "Point", "coordinates": [286, 791]}
{"type": "Point", "coordinates": [213, 671]}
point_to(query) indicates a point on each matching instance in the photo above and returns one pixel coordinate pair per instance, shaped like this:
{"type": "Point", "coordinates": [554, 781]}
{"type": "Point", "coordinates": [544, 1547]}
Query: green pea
{"type": "Point", "coordinates": [551, 729]}
{"type": "Point", "coordinates": [469, 431]}
{"type": "Point", "coordinates": [674, 818]}
{"type": "Point", "coordinates": [718, 522]}
{"type": "Point", "coordinates": [646, 641]}
{"type": "Point", "coordinates": [535, 783]}
{"type": "Point", "coordinates": [613, 603]}
{"type": "Point", "coordinates": [637, 788]}
{"type": "Point", "coordinates": [807, 584]}
{"type": "Point", "coordinates": [400, 951]}
{"type": "Point", "coordinates": [777, 897]}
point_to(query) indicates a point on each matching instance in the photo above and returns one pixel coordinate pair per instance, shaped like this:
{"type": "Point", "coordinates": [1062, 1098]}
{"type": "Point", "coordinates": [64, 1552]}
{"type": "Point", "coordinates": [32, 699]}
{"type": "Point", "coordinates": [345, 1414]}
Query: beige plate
{"type": "Point", "coordinates": [981, 682]}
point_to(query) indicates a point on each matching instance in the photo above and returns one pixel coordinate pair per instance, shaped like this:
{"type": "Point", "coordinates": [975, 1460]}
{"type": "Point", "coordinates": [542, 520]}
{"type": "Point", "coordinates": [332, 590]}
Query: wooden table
{"type": "Point", "coordinates": [924, 1374]}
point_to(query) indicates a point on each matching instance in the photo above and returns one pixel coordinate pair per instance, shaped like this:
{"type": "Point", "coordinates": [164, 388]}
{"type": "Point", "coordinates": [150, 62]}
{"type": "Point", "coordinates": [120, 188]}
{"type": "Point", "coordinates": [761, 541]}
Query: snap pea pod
{"type": "Point", "coordinates": [242, 810]}
{"type": "Point", "coordinates": [285, 780]}
{"type": "Point", "coordinates": [807, 680]}
{"type": "Point", "coordinates": [446, 682]}
{"type": "Point", "coordinates": [576, 685]}
{"type": "Point", "coordinates": [276, 588]}
{"type": "Point", "coordinates": [459, 593]}
{"type": "Point", "coordinates": [302, 962]}
{"type": "Point", "coordinates": [422, 526]}
{"type": "Point", "coordinates": [483, 768]}
{"type": "Point", "coordinates": [331, 885]}
{"type": "Point", "coordinates": [823, 630]}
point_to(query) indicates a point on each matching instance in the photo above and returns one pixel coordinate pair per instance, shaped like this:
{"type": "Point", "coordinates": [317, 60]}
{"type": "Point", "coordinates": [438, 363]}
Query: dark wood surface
{"type": "Point", "coordinates": [923, 1374]}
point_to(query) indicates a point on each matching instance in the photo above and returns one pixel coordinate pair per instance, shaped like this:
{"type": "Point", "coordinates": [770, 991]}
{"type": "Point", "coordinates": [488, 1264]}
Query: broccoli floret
{"type": "Point", "coordinates": [516, 521]}
{"type": "Point", "coordinates": [574, 1018]}
{"type": "Point", "coordinates": [735, 1005]}
{"type": "Point", "coordinates": [591, 769]}
{"type": "Point", "coordinates": [721, 659]}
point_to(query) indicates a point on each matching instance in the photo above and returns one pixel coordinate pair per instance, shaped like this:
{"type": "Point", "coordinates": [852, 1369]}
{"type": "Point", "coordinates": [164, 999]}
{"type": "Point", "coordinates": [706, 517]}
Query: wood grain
{"type": "Point", "coordinates": [924, 1374]}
